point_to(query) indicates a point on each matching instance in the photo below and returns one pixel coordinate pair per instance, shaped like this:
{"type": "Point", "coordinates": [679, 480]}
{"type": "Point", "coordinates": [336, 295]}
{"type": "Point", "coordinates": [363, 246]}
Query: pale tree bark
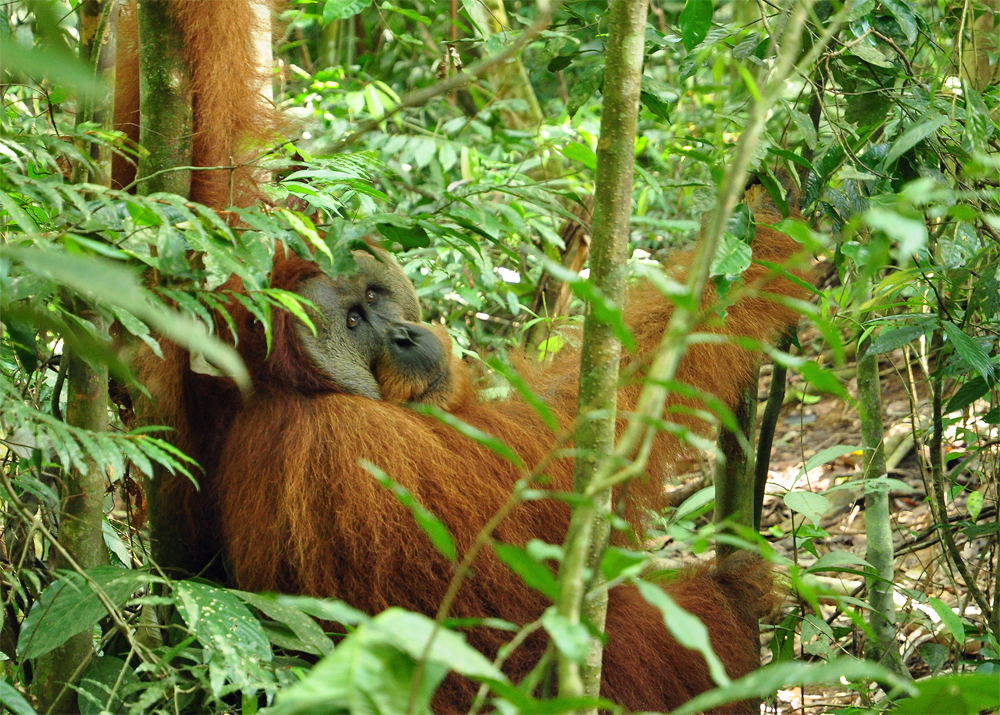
{"type": "Point", "coordinates": [601, 352]}
{"type": "Point", "coordinates": [165, 115]}
{"type": "Point", "coordinates": [983, 41]}
{"type": "Point", "coordinates": [884, 647]}
{"type": "Point", "coordinates": [81, 522]}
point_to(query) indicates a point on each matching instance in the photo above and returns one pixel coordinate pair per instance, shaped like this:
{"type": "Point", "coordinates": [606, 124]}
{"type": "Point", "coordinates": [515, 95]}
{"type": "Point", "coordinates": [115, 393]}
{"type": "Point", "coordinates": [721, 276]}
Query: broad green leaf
{"type": "Point", "coordinates": [895, 338]}
{"type": "Point", "coordinates": [618, 562]}
{"type": "Point", "coordinates": [342, 9]}
{"type": "Point", "coordinates": [915, 133]}
{"type": "Point", "coordinates": [969, 350]}
{"type": "Point", "coordinates": [325, 609]}
{"type": "Point", "coordinates": [11, 699]}
{"type": "Point", "coordinates": [951, 620]}
{"type": "Point", "coordinates": [685, 627]}
{"type": "Point", "coordinates": [836, 560]}
{"type": "Point", "coordinates": [435, 529]}
{"type": "Point", "coordinates": [967, 394]}
{"type": "Point", "coordinates": [904, 16]}
{"type": "Point", "coordinates": [694, 21]}
{"type": "Point", "coordinates": [69, 606]}
{"type": "Point", "coordinates": [537, 575]}
{"type": "Point", "coordinates": [581, 153]}
{"type": "Point", "coordinates": [304, 627]}
{"type": "Point", "coordinates": [235, 641]}
{"type": "Point", "coordinates": [589, 81]}
{"type": "Point", "coordinates": [811, 506]}
{"type": "Point", "coordinates": [975, 505]}
{"type": "Point", "coordinates": [656, 105]}
{"type": "Point", "coordinates": [966, 694]}
{"type": "Point", "coordinates": [407, 236]}
{"type": "Point", "coordinates": [764, 682]}
{"type": "Point", "coordinates": [373, 668]}
{"type": "Point", "coordinates": [732, 258]}
{"type": "Point", "coordinates": [106, 675]}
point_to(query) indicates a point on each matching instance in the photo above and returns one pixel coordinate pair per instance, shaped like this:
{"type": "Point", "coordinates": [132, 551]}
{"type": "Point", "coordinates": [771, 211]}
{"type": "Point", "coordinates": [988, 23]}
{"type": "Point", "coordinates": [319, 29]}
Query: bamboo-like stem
{"type": "Point", "coordinates": [884, 647]}
{"type": "Point", "coordinates": [601, 351]}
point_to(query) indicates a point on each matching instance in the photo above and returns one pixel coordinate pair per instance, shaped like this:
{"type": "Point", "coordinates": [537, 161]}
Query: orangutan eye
{"type": "Point", "coordinates": [370, 296]}
{"type": "Point", "coordinates": [353, 319]}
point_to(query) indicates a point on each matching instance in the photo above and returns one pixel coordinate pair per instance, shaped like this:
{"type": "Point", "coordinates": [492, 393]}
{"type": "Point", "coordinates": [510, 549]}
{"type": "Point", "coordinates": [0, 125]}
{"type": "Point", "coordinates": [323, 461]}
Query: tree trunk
{"type": "Point", "coordinates": [601, 351]}
{"type": "Point", "coordinates": [884, 648]}
{"type": "Point", "coordinates": [81, 524]}
{"type": "Point", "coordinates": [734, 477]}
{"type": "Point", "coordinates": [775, 399]}
{"type": "Point", "coordinates": [165, 122]}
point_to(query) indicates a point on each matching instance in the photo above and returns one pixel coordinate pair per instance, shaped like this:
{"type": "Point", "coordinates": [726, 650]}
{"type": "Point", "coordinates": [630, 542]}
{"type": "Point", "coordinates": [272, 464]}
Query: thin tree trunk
{"type": "Point", "coordinates": [165, 122]}
{"type": "Point", "coordinates": [734, 477]}
{"type": "Point", "coordinates": [98, 45]}
{"type": "Point", "coordinates": [81, 523]}
{"type": "Point", "coordinates": [775, 399]}
{"type": "Point", "coordinates": [884, 647]}
{"type": "Point", "coordinates": [601, 352]}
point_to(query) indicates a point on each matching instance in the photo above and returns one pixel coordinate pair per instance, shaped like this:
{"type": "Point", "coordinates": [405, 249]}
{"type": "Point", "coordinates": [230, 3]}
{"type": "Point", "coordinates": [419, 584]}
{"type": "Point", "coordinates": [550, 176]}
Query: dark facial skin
{"type": "Point", "coordinates": [369, 339]}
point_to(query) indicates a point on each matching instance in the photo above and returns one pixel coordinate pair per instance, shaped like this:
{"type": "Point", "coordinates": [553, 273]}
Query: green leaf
{"type": "Point", "coordinates": [104, 675]}
{"type": "Point", "coordinates": [685, 627]}
{"type": "Point", "coordinates": [589, 81]}
{"type": "Point", "coordinates": [342, 9]}
{"type": "Point", "coordinates": [904, 16]}
{"type": "Point", "coordinates": [836, 560]}
{"type": "Point", "coordinates": [975, 505]}
{"type": "Point", "coordinates": [581, 153]}
{"type": "Point", "coordinates": [966, 694]}
{"type": "Point", "coordinates": [969, 350]}
{"type": "Point", "coordinates": [304, 627]}
{"type": "Point", "coordinates": [572, 639]}
{"type": "Point", "coordinates": [811, 506]}
{"type": "Point", "coordinates": [889, 340]}
{"type": "Point", "coordinates": [695, 20]}
{"type": "Point", "coordinates": [618, 562]}
{"type": "Point", "coordinates": [967, 394]}
{"type": "Point", "coordinates": [732, 258]}
{"type": "Point", "coordinates": [407, 236]}
{"type": "Point", "coordinates": [435, 529]}
{"type": "Point", "coordinates": [656, 105]}
{"type": "Point", "coordinates": [326, 609]}
{"type": "Point", "coordinates": [871, 55]}
{"type": "Point", "coordinates": [233, 638]}
{"type": "Point", "coordinates": [538, 576]}
{"type": "Point", "coordinates": [561, 62]}
{"type": "Point", "coordinates": [767, 680]}
{"type": "Point", "coordinates": [951, 620]}
{"type": "Point", "coordinates": [373, 668]}
{"type": "Point", "coordinates": [69, 606]}
{"type": "Point", "coordinates": [11, 699]}
{"type": "Point", "coordinates": [405, 13]}
{"type": "Point", "coordinates": [915, 134]}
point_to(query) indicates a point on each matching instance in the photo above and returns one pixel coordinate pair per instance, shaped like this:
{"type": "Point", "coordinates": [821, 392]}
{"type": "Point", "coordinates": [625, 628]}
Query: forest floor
{"type": "Point", "coordinates": [809, 424]}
